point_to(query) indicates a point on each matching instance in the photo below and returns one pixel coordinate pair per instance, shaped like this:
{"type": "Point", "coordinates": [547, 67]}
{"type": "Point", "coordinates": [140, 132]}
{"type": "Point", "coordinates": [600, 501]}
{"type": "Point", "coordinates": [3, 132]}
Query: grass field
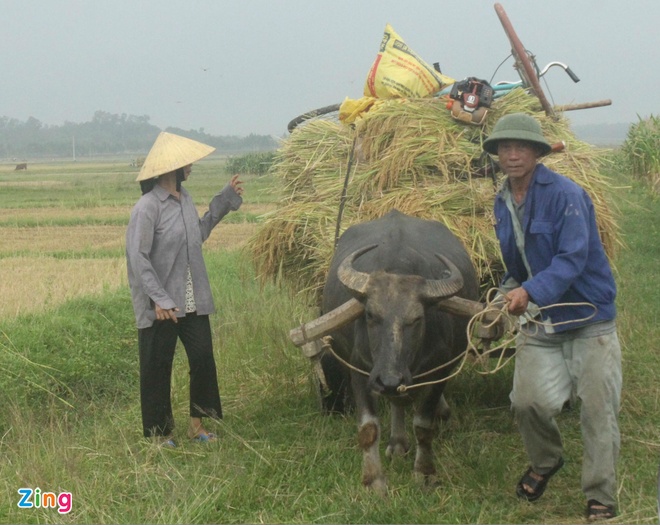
{"type": "Point", "coordinates": [70, 416]}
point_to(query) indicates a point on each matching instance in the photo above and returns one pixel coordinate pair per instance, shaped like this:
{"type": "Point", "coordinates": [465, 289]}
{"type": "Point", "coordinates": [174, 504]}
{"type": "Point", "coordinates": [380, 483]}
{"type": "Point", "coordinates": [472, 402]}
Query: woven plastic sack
{"type": "Point", "coordinates": [399, 72]}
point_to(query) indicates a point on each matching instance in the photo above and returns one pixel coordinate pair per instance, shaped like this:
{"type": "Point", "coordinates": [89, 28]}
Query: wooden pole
{"type": "Point", "coordinates": [585, 105]}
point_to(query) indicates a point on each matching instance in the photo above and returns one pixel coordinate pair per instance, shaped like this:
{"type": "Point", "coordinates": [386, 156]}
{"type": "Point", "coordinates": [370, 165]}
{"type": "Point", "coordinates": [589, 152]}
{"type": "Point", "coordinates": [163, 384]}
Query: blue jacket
{"type": "Point", "coordinates": [563, 249]}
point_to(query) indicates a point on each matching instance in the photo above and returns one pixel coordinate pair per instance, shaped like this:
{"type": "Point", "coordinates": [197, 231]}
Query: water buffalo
{"type": "Point", "coordinates": [399, 268]}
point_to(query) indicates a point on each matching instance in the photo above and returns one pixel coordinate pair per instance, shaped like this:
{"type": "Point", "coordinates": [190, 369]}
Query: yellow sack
{"type": "Point", "coordinates": [399, 72]}
{"type": "Point", "coordinates": [350, 110]}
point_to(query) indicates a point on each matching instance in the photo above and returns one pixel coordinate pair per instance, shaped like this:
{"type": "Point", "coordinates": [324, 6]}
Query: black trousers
{"type": "Point", "coordinates": [157, 344]}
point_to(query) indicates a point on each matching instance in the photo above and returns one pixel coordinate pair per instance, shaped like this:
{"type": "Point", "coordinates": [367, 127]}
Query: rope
{"type": "Point", "coordinates": [498, 306]}
{"type": "Point", "coordinates": [328, 346]}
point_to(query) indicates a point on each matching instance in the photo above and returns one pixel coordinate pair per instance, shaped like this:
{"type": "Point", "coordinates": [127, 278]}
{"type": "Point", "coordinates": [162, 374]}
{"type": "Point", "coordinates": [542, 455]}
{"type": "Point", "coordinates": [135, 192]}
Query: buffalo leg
{"type": "Point", "coordinates": [369, 437]}
{"type": "Point", "coordinates": [333, 394]}
{"type": "Point", "coordinates": [399, 444]}
{"type": "Point", "coordinates": [425, 422]}
{"type": "Point", "coordinates": [424, 461]}
{"type": "Point", "coordinates": [443, 411]}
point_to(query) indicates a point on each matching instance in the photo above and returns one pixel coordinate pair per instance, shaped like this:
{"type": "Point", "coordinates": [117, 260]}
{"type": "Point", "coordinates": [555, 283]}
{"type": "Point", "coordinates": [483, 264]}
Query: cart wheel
{"type": "Point", "coordinates": [328, 112]}
{"type": "Point", "coordinates": [523, 63]}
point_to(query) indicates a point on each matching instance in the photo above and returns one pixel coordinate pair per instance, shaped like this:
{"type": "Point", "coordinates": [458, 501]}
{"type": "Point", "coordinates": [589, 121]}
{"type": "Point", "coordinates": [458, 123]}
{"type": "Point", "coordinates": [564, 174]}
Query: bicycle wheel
{"type": "Point", "coordinates": [524, 65]}
{"type": "Point", "coordinates": [328, 112]}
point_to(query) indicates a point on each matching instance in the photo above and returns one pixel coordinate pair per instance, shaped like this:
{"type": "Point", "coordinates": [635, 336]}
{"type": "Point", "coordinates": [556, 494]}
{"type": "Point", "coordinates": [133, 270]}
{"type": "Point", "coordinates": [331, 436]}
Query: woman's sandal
{"type": "Point", "coordinates": [537, 486]}
{"type": "Point", "coordinates": [598, 511]}
{"type": "Point", "coordinates": [167, 442]}
{"type": "Point", "coordinates": [204, 437]}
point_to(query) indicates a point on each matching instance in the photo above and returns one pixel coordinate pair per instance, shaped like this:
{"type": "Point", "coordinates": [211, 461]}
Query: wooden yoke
{"type": "Point", "coordinates": [340, 316]}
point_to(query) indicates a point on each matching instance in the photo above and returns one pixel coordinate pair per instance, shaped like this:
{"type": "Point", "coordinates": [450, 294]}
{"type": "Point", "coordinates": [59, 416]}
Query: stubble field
{"type": "Point", "coordinates": [61, 236]}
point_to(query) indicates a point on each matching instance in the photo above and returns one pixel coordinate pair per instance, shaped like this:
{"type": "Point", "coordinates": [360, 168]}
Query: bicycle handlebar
{"type": "Point", "coordinates": [568, 70]}
{"type": "Point", "coordinates": [573, 76]}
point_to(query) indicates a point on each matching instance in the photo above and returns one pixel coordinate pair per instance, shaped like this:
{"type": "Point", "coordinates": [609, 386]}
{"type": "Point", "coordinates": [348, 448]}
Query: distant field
{"type": "Point", "coordinates": [63, 225]}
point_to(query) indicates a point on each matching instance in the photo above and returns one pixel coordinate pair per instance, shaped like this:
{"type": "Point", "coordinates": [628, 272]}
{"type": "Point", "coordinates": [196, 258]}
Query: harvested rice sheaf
{"type": "Point", "coordinates": [413, 156]}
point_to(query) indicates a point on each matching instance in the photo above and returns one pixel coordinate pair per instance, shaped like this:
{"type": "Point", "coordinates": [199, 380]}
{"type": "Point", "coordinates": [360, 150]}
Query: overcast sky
{"type": "Point", "coordinates": [250, 66]}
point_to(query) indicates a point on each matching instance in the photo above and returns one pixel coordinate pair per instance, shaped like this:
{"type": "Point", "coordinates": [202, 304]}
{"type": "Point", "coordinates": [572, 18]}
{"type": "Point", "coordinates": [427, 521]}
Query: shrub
{"type": "Point", "coordinates": [641, 152]}
{"type": "Point", "coordinates": [250, 164]}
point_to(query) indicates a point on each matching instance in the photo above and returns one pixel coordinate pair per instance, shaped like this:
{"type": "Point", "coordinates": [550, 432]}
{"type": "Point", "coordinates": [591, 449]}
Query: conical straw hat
{"type": "Point", "coordinates": [171, 152]}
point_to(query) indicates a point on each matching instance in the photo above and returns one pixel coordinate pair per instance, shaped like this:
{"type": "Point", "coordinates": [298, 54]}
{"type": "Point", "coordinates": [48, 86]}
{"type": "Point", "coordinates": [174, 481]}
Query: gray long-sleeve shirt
{"type": "Point", "coordinates": [164, 237]}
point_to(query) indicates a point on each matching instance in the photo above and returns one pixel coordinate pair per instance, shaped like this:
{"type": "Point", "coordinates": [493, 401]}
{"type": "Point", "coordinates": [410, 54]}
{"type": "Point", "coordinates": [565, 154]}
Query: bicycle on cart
{"type": "Point", "coordinates": [525, 65]}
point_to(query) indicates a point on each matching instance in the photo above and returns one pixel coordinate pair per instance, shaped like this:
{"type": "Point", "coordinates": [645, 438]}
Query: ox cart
{"type": "Point", "coordinates": [401, 302]}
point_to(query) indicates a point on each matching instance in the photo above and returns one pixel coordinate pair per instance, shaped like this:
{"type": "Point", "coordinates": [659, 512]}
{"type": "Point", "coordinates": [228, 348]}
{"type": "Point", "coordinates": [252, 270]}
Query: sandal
{"type": "Point", "coordinates": [598, 511]}
{"type": "Point", "coordinates": [204, 437]}
{"type": "Point", "coordinates": [167, 442]}
{"type": "Point", "coordinates": [537, 486]}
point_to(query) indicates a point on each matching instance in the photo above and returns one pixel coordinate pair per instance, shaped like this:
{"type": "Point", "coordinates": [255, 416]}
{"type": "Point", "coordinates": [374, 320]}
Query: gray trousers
{"type": "Point", "coordinates": [552, 369]}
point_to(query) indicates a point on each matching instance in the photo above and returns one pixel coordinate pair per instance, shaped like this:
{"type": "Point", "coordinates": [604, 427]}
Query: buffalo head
{"type": "Point", "coordinates": [396, 312]}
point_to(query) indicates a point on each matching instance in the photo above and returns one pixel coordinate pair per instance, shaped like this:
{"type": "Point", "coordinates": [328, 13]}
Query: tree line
{"type": "Point", "coordinates": [107, 134]}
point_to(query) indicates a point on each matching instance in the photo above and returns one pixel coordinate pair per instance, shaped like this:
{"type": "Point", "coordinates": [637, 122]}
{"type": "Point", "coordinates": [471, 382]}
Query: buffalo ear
{"type": "Point", "coordinates": [437, 289]}
{"type": "Point", "coordinates": [354, 280]}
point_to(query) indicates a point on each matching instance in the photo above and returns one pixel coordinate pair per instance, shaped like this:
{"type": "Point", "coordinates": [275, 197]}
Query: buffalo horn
{"type": "Point", "coordinates": [354, 280]}
{"type": "Point", "coordinates": [436, 289]}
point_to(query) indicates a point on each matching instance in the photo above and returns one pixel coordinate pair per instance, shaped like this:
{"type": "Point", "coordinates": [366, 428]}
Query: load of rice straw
{"type": "Point", "coordinates": [409, 154]}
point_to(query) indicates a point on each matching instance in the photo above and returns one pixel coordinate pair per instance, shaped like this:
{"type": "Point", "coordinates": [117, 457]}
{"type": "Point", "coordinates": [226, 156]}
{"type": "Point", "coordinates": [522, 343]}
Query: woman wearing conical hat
{"type": "Point", "coordinates": [169, 285]}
